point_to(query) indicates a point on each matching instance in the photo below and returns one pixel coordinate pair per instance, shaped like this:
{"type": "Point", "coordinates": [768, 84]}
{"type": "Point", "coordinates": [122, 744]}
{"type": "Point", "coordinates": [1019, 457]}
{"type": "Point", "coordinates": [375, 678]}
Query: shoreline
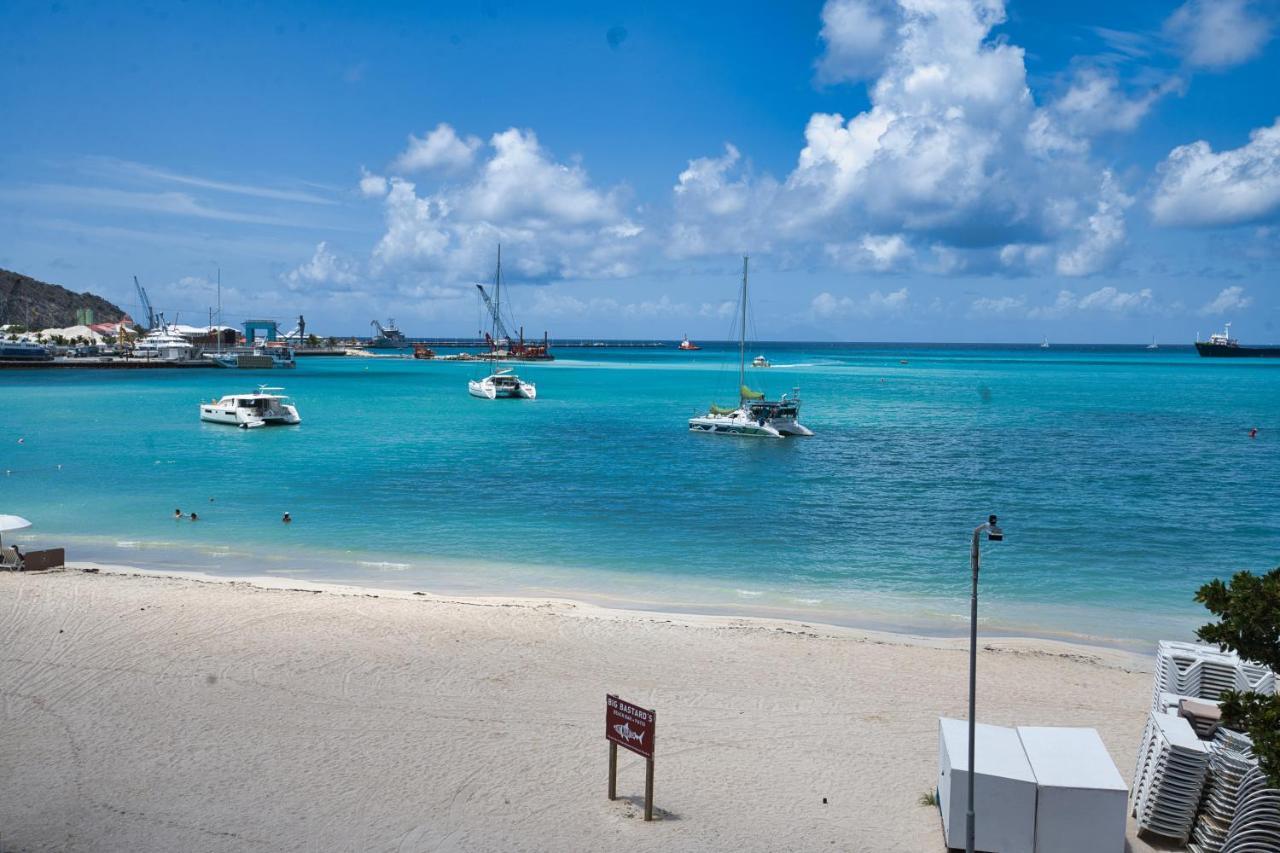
{"type": "Point", "coordinates": [886, 612]}
{"type": "Point", "coordinates": [155, 711]}
{"type": "Point", "coordinates": [1102, 651]}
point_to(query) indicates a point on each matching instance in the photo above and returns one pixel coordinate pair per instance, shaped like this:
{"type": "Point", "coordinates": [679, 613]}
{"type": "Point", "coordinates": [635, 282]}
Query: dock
{"type": "Point", "coordinates": [104, 364]}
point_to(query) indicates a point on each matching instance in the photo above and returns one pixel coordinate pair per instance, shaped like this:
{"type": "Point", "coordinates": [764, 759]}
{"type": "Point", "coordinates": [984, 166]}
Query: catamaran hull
{"type": "Point", "coordinates": [746, 427]}
{"type": "Point", "coordinates": [488, 391]}
{"type": "Point", "coordinates": [713, 425]}
{"type": "Point", "coordinates": [245, 420]}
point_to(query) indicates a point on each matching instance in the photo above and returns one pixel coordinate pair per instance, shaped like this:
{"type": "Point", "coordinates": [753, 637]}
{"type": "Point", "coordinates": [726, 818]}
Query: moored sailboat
{"type": "Point", "coordinates": [755, 416]}
{"type": "Point", "coordinates": [502, 382]}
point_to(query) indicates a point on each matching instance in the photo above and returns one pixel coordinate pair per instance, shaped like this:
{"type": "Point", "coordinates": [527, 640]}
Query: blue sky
{"type": "Point", "coordinates": [911, 170]}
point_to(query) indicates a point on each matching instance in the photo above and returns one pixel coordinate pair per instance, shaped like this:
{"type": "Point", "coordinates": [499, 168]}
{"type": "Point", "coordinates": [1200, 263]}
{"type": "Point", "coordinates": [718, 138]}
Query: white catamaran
{"type": "Point", "coordinates": [754, 416]}
{"type": "Point", "coordinates": [502, 383]}
{"type": "Point", "coordinates": [250, 411]}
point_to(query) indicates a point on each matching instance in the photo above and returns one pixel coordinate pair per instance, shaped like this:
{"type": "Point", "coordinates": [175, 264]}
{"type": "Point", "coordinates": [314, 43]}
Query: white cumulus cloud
{"type": "Point", "coordinates": [442, 148]}
{"type": "Point", "coordinates": [944, 156]}
{"type": "Point", "coordinates": [1228, 299]}
{"type": "Point", "coordinates": [827, 306]}
{"type": "Point", "coordinates": [325, 270]}
{"type": "Point", "coordinates": [371, 185]}
{"type": "Point", "coordinates": [1218, 34]}
{"type": "Point", "coordinates": [551, 220]}
{"type": "Point", "coordinates": [858, 35]}
{"type": "Point", "coordinates": [1201, 187]}
{"type": "Point", "coordinates": [1107, 299]}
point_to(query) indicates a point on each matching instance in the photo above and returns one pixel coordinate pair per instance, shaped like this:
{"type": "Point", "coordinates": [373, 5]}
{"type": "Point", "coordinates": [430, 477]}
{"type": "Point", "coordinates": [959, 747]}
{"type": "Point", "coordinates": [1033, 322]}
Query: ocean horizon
{"type": "Point", "coordinates": [1124, 477]}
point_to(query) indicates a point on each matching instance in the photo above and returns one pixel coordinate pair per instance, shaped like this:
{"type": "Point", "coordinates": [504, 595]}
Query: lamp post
{"type": "Point", "coordinates": [994, 534]}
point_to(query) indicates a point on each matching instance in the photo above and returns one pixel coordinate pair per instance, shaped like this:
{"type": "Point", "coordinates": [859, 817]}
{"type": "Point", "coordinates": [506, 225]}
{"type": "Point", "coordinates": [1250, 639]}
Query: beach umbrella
{"type": "Point", "coordinates": [13, 522]}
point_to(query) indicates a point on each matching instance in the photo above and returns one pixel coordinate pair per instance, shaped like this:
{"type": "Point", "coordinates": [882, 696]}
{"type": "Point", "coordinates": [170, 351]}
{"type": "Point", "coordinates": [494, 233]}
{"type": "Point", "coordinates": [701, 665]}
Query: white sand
{"type": "Point", "coordinates": [151, 713]}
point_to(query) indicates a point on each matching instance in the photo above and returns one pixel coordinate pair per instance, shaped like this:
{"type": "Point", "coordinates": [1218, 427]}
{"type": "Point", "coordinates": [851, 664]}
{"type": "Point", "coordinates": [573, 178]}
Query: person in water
{"type": "Point", "coordinates": [1253, 433]}
{"type": "Point", "coordinates": [177, 513]}
{"type": "Point", "coordinates": [286, 519]}
{"type": "Point", "coordinates": [195, 517]}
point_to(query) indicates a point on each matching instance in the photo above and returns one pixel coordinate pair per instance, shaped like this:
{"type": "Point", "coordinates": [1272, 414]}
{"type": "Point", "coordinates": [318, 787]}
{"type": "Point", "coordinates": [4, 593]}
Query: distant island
{"type": "Point", "coordinates": [35, 304]}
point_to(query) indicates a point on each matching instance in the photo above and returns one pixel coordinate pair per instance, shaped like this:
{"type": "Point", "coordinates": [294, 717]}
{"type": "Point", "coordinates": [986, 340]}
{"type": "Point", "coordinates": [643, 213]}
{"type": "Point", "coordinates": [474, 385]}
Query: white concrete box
{"type": "Point", "coordinates": [1004, 794]}
{"type": "Point", "coordinates": [1081, 800]}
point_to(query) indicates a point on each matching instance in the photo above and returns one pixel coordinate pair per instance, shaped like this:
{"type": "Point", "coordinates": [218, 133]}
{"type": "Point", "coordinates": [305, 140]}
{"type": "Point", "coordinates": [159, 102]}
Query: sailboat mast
{"type": "Point", "coordinates": [497, 293]}
{"type": "Point", "coordinates": [742, 338]}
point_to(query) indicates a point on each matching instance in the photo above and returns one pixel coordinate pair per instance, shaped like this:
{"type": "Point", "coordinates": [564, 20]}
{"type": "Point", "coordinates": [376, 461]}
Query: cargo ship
{"type": "Point", "coordinates": [1224, 346]}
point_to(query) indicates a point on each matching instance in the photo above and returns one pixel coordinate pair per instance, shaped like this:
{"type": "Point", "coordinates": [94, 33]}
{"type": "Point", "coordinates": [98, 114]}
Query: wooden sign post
{"type": "Point", "coordinates": [633, 728]}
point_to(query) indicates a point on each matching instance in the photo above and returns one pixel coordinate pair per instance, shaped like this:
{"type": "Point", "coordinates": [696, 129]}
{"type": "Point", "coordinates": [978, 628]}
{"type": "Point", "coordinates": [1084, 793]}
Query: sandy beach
{"type": "Point", "coordinates": [172, 713]}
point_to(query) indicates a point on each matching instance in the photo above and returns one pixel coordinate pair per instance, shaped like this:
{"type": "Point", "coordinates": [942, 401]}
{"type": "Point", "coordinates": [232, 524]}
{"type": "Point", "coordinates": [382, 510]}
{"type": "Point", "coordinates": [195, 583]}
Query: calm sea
{"type": "Point", "coordinates": [1124, 478]}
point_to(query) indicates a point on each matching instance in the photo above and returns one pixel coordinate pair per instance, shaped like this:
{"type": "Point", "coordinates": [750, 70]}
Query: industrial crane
{"type": "Point", "coordinates": [300, 332]}
{"type": "Point", "coordinates": [498, 328]}
{"type": "Point", "coordinates": [145, 304]}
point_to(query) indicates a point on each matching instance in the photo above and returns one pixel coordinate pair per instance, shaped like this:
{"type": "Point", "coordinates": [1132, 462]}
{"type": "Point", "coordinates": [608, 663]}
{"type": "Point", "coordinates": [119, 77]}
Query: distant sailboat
{"type": "Point", "coordinates": [1045, 343]}
{"type": "Point", "coordinates": [1153, 344]}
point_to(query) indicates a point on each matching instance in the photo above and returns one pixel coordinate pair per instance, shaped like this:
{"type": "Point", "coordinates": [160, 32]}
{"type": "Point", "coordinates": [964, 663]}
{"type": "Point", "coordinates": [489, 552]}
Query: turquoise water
{"type": "Point", "coordinates": [1124, 478]}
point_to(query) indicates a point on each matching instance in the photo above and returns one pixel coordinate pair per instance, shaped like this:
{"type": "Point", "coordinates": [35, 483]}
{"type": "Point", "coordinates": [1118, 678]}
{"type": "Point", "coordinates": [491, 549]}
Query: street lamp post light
{"type": "Point", "coordinates": [994, 534]}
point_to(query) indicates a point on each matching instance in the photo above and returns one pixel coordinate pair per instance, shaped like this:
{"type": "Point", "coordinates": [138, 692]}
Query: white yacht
{"type": "Point", "coordinates": [258, 357]}
{"type": "Point", "coordinates": [754, 415]}
{"type": "Point", "coordinates": [760, 361]}
{"type": "Point", "coordinates": [502, 383]}
{"type": "Point", "coordinates": [249, 411]}
{"type": "Point", "coordinates": [163, 345]}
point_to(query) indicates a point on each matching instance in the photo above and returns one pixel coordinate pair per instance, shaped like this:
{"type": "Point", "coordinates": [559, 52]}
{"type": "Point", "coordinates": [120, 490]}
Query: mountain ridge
{"type": "Point", "coordinates": [39, 305]}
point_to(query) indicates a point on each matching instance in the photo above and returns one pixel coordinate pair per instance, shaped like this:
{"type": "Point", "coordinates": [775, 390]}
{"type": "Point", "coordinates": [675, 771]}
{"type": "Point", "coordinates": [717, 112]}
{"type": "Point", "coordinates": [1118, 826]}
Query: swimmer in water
{"type": "Point", "coordinates": [195, 517]}
{"type": "Point", "coordinates": [177, 513]}
{"type": "Point", "coordinates": [1253, 433]}
{"type": "Point", "coordinates": [287, 519]}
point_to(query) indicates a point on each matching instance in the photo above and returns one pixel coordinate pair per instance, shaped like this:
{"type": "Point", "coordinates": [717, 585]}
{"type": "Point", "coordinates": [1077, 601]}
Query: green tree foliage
{"type": "Point", "coordinates": [1248, 611]}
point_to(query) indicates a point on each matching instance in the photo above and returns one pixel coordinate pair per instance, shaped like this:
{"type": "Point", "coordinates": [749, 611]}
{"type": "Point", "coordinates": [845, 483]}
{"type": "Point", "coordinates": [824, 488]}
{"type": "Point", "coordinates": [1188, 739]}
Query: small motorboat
{"type": "Point", "coordinates": [760, 361]}
{"type": "Point", "coordinates": [250, 411]}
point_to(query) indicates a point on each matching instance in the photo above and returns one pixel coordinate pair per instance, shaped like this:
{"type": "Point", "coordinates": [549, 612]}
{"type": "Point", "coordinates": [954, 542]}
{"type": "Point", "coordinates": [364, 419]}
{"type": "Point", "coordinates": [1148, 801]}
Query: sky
{"type": "Point", "coordinates": [897, 170]}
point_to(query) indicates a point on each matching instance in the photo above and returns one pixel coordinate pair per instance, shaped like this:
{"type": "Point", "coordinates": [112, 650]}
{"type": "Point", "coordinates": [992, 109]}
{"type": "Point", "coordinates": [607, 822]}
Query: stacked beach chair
{"type": "Point", "coordinates": [1198, 671]}
{"type": "Point", "coordinates": [1231, 760]}
{"type": "Point", "coordinates": [1172, 764]}
{"type": "Point", "coordinates": [1256, 825]}
{"type": "Point", "coordinates": [1196, 782]}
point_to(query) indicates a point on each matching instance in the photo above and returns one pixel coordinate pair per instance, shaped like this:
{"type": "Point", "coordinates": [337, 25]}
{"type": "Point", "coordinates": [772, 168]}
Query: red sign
{"type": "Point", "coordinates": [629, 726]}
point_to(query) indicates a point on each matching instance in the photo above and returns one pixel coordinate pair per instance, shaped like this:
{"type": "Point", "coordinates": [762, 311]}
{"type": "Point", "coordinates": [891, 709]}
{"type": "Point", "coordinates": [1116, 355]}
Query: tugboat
{"type": "Point", "coordinates": [1224, 346]}
{"type": "Point", "coordinates": [687, 344]}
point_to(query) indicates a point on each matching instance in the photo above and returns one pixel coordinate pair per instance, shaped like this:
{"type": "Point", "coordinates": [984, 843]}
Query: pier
{"type": "Point", "coordinates": [104, 364]}
{"type": "Point", "coordinates": [470, 343]}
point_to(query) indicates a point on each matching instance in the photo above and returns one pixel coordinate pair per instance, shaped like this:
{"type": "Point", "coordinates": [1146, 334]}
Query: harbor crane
{"type": "Point", "coordinates": [498, 327]}
{"type": "Point", "coordinates": [145, 304]}
{"type": "Point", "coordinates": [300, 332]}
